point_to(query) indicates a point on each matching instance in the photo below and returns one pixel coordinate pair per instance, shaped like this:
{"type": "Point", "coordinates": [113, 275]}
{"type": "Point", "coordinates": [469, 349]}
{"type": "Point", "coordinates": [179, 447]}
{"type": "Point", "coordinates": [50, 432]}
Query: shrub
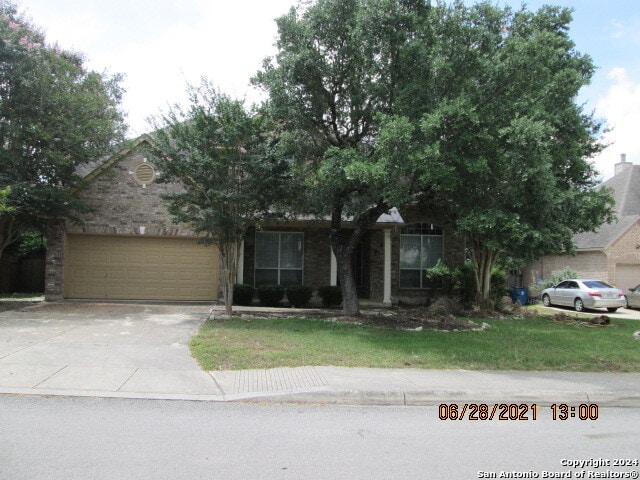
{"type": "Point", "coordinates": [331, 295]}
{"type": "Point", "coordinates": [558, 276]}
{"type": "Point", "coordinates": [441, 276]}
{"type": "Point", "coordinates": [465, 281]}
{"type": "Point", "coordinates": [243, 294]}
{"type": "Point", "coordinates": [299, 295]}
{"type": "Point", "coordinates": [499, 286]}
{"type": "Point", "coordinates": [270, 295]}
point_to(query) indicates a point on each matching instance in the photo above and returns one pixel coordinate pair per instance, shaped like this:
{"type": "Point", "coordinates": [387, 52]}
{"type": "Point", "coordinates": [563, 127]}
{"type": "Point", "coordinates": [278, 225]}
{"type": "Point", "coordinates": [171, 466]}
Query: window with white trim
{"type": "Point", "coordinates": [421, 246]}
{"type": "Point", "coordinates": [279, 258]}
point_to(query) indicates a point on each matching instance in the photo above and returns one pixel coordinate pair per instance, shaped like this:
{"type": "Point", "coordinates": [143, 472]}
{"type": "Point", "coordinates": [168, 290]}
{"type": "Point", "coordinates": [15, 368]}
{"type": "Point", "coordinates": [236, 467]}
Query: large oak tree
{"type": "Point", "coordinates": [333, 88]}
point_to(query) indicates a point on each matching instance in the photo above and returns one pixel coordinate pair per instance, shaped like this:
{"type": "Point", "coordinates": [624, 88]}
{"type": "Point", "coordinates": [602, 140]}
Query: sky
{"type": "Point", "coordinates": [162, 45]}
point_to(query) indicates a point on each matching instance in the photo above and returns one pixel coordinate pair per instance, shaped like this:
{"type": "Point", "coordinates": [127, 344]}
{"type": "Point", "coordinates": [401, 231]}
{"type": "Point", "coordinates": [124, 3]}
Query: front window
{"type": "Point", "coordinates": [279, 258]}
{"type": "Point", "coordinates": [421, 247]}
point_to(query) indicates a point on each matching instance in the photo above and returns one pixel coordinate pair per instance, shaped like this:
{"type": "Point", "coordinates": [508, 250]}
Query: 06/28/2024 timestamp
{"type": "Point", "coordinates": [515, 411]}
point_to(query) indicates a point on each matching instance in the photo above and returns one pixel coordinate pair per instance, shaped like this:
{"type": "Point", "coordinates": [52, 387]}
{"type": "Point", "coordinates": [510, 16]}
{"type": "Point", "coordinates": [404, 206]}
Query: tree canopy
{"type": "Point", "coordinates": [54, 115]}
{"type": "Point", "coordinates": [508, 147]}
{"type": "Point", "coordinates": [469, 110]}
{"type": "Point", "coordinates": [333, 89]}
{"type": "Point", "coordinates": [226, 159]}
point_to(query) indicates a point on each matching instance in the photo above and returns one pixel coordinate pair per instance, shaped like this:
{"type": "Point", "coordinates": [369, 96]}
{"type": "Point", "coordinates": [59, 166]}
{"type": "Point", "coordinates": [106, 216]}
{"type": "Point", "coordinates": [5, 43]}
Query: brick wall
{"type": "Point", "coordinates": [123, 205]}
{"type": "Point", "coordinates": [587, 264]}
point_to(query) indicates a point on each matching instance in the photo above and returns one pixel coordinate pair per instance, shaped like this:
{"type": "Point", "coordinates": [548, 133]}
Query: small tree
{"type": "Point", "coordinates": [223, 156]}
{"type": "Point", "coordinates": [54, 115]}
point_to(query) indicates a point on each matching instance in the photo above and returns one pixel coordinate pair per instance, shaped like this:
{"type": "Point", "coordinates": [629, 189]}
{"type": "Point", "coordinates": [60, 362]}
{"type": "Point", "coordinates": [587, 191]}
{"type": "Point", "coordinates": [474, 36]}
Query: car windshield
{"type": "Point", "coordinates": [596, 284]}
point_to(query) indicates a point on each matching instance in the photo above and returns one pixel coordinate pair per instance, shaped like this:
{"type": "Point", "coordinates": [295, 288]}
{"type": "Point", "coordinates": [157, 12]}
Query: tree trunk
{"type": "Point", "coordinates": [343, 243]}
{"type": "Point", "coordinates": [483, 259]}
{"type": "Point", "coordinates": [229, 253]}
{"type": "Point", "coordinates": [344, 260]}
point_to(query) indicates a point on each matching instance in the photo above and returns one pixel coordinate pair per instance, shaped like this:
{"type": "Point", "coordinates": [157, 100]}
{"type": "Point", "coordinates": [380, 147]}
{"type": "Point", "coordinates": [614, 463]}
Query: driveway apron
{"type": "Point", "coordinates": [106, 349]}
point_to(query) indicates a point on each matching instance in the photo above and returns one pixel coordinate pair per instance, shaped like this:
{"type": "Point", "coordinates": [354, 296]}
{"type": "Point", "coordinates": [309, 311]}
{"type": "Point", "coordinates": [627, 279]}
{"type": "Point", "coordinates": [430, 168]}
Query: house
{"type": "Point", "coordinates": [612, 253]}
{"type": "Point", "coordinates": [129, 247]}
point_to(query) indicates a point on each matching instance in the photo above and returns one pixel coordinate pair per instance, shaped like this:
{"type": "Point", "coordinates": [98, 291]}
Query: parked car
{"type": "Point", "coordinates": [633, 297]}
{"type": "Point", "coordinates": [581, 293]}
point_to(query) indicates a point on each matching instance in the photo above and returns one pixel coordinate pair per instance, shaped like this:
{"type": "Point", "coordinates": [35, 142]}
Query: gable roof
{"type": "Point", "coordinates": [90, 170]}
{"type": "Point", "coordinates": [626, 193]}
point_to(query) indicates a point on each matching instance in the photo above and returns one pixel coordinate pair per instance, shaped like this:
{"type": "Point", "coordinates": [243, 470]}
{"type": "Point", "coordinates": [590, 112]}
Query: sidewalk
{"type": "Point", "coordinates": [141, 351]}
{"type": "Point", "coordinates": [331, 385]}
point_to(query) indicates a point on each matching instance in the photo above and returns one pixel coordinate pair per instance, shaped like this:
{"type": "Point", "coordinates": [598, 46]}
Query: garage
{"type": "Point", "coordinates": [627, 276]}
{"type": "Point", "coordinates": [139, 268]}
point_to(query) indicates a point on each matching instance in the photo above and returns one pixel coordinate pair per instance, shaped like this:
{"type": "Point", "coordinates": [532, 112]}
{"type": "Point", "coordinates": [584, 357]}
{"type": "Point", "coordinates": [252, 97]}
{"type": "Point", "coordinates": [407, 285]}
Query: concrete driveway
{"type": "Point", "coordinates": [103, 348]}
{"type": "Point", "coordinates": [628, 313]}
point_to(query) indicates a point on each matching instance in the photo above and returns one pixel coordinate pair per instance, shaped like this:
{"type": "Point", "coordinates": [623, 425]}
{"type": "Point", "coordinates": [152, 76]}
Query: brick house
{"type": "Point", "coordinates": [611, 254]}
{"type": "Point", "coordinates": [129, 247]}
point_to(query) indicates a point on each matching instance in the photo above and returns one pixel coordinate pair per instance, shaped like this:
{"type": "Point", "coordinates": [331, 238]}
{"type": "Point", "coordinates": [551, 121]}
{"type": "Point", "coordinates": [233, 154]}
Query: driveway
{"type": "Point", "coordinates": [627, 313]}
{"type": "Point", "coordinates": [105, 349]}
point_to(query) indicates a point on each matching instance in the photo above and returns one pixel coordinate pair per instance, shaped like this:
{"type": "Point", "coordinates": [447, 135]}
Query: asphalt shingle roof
{"type": "Point", "coordinates": [626, 193]}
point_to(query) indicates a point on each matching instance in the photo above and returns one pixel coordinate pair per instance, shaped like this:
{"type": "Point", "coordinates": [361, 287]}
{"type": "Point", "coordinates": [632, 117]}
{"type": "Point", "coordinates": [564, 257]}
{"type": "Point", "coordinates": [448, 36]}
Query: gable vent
{"type": "Point", "coordinates": [144, 174]}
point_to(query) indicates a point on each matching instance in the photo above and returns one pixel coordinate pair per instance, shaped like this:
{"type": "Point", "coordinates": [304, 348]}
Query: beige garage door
{"type": "Point", "coordinates": [627, 276]}
{"type": "Point", "coordinates": [139, 268]}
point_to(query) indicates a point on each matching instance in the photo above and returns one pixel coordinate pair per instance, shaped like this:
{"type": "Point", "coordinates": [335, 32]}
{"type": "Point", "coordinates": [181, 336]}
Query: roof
{"type": "Point", "coordinates": [92, 169]}
{"type": "Point", "coordinates": [626, 193]}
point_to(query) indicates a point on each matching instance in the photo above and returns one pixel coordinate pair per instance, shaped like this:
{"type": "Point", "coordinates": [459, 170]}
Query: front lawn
{"type": "Point", "coordinates": [509, 344]}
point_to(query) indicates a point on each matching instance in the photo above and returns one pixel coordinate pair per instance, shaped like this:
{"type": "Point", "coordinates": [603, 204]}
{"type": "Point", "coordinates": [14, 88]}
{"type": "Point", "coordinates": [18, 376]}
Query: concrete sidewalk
{"type": "Point", "coordinates": [141, 351]}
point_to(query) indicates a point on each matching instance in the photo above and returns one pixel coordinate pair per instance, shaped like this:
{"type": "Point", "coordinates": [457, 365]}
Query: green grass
{"type": "Point", "coordinates": [511, 344]}
{"type": "Point", "coordinates": [10, 296]}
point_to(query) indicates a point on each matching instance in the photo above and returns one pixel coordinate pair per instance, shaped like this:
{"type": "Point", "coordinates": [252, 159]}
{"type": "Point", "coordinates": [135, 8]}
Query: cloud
{"type": "Point", "coordinates": [160, 50]}
{"type": "Point", "coordinates": [620, 106]}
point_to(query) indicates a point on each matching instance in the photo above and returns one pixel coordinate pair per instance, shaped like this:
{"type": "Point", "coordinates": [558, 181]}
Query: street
{"type": "Point", "coordinates": [99, 438]}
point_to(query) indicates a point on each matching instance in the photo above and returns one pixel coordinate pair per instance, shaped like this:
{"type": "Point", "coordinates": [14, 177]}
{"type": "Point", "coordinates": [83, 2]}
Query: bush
{"type": "Point", "coordinates": [499, 286]}
{"type": "Point", "coordinates": [331, 295]}
{"type": "Point", "coordinates": [465, 281]}
{"type": "Point", "coordinates": [243, 294]}
{"type": "Point", "coordinates": [299, 295]}
{"type": "Point", "coordinates": [558, 276]}
{"type": "Point", "coordinates": [270, 295]}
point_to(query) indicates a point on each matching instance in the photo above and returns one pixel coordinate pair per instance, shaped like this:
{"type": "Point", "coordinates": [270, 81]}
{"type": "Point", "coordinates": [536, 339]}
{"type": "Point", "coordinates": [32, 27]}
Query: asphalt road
{"type": "Point", "coordinates": [97, 438]}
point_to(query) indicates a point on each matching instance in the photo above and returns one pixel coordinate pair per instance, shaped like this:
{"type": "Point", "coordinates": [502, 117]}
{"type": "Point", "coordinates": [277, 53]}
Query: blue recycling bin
{"type": "Point", "coordinates": [519, 295]}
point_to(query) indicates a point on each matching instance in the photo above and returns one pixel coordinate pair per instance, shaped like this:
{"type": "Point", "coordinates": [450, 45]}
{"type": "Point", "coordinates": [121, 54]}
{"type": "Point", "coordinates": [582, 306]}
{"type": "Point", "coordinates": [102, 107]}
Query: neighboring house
{"type": "Point", "coordinates": [612, 253]}
{"type": "Point", "coordinates": [129, 247]}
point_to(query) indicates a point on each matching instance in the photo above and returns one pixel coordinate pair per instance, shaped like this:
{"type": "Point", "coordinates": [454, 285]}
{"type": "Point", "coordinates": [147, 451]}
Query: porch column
{"type": "Point", "coordinates": [240, 272]}
{"type": "Point", "coordinates": [387, 267]}
{"type": "Point", "coordinates": [334, 270]}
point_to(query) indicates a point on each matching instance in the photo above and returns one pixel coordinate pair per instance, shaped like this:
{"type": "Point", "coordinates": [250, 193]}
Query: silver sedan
{"type": "Point", "coordinates": [581, 293]}
{"type": "Point", "coordinates": [633, 297]}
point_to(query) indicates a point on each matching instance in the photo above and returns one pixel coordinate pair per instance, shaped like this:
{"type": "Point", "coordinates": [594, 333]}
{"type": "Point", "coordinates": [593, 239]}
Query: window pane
{"type": "Point", "coordinates": [291, 250]}
{"type": "Point", "coordinates": [409, 251]}
{"type": "Point", "coordinates": [290, 277]}
{"type": "Point", "coordinates": [266, 277]}
{"type": "Point", "coordinates": [266, 250]}
{"type": "Point", "coordinates": [409, 278]}
{"type": "Point", "coordinates": [431, 251]}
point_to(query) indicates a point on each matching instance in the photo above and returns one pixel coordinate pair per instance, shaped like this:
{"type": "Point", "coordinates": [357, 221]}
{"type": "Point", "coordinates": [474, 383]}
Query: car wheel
{"type": "Point", "coordinates": [546, 301]}
{"type": "Point", "coordinates": [611, 309]}
{"type": "Point", "coordinates": [578, 305]}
